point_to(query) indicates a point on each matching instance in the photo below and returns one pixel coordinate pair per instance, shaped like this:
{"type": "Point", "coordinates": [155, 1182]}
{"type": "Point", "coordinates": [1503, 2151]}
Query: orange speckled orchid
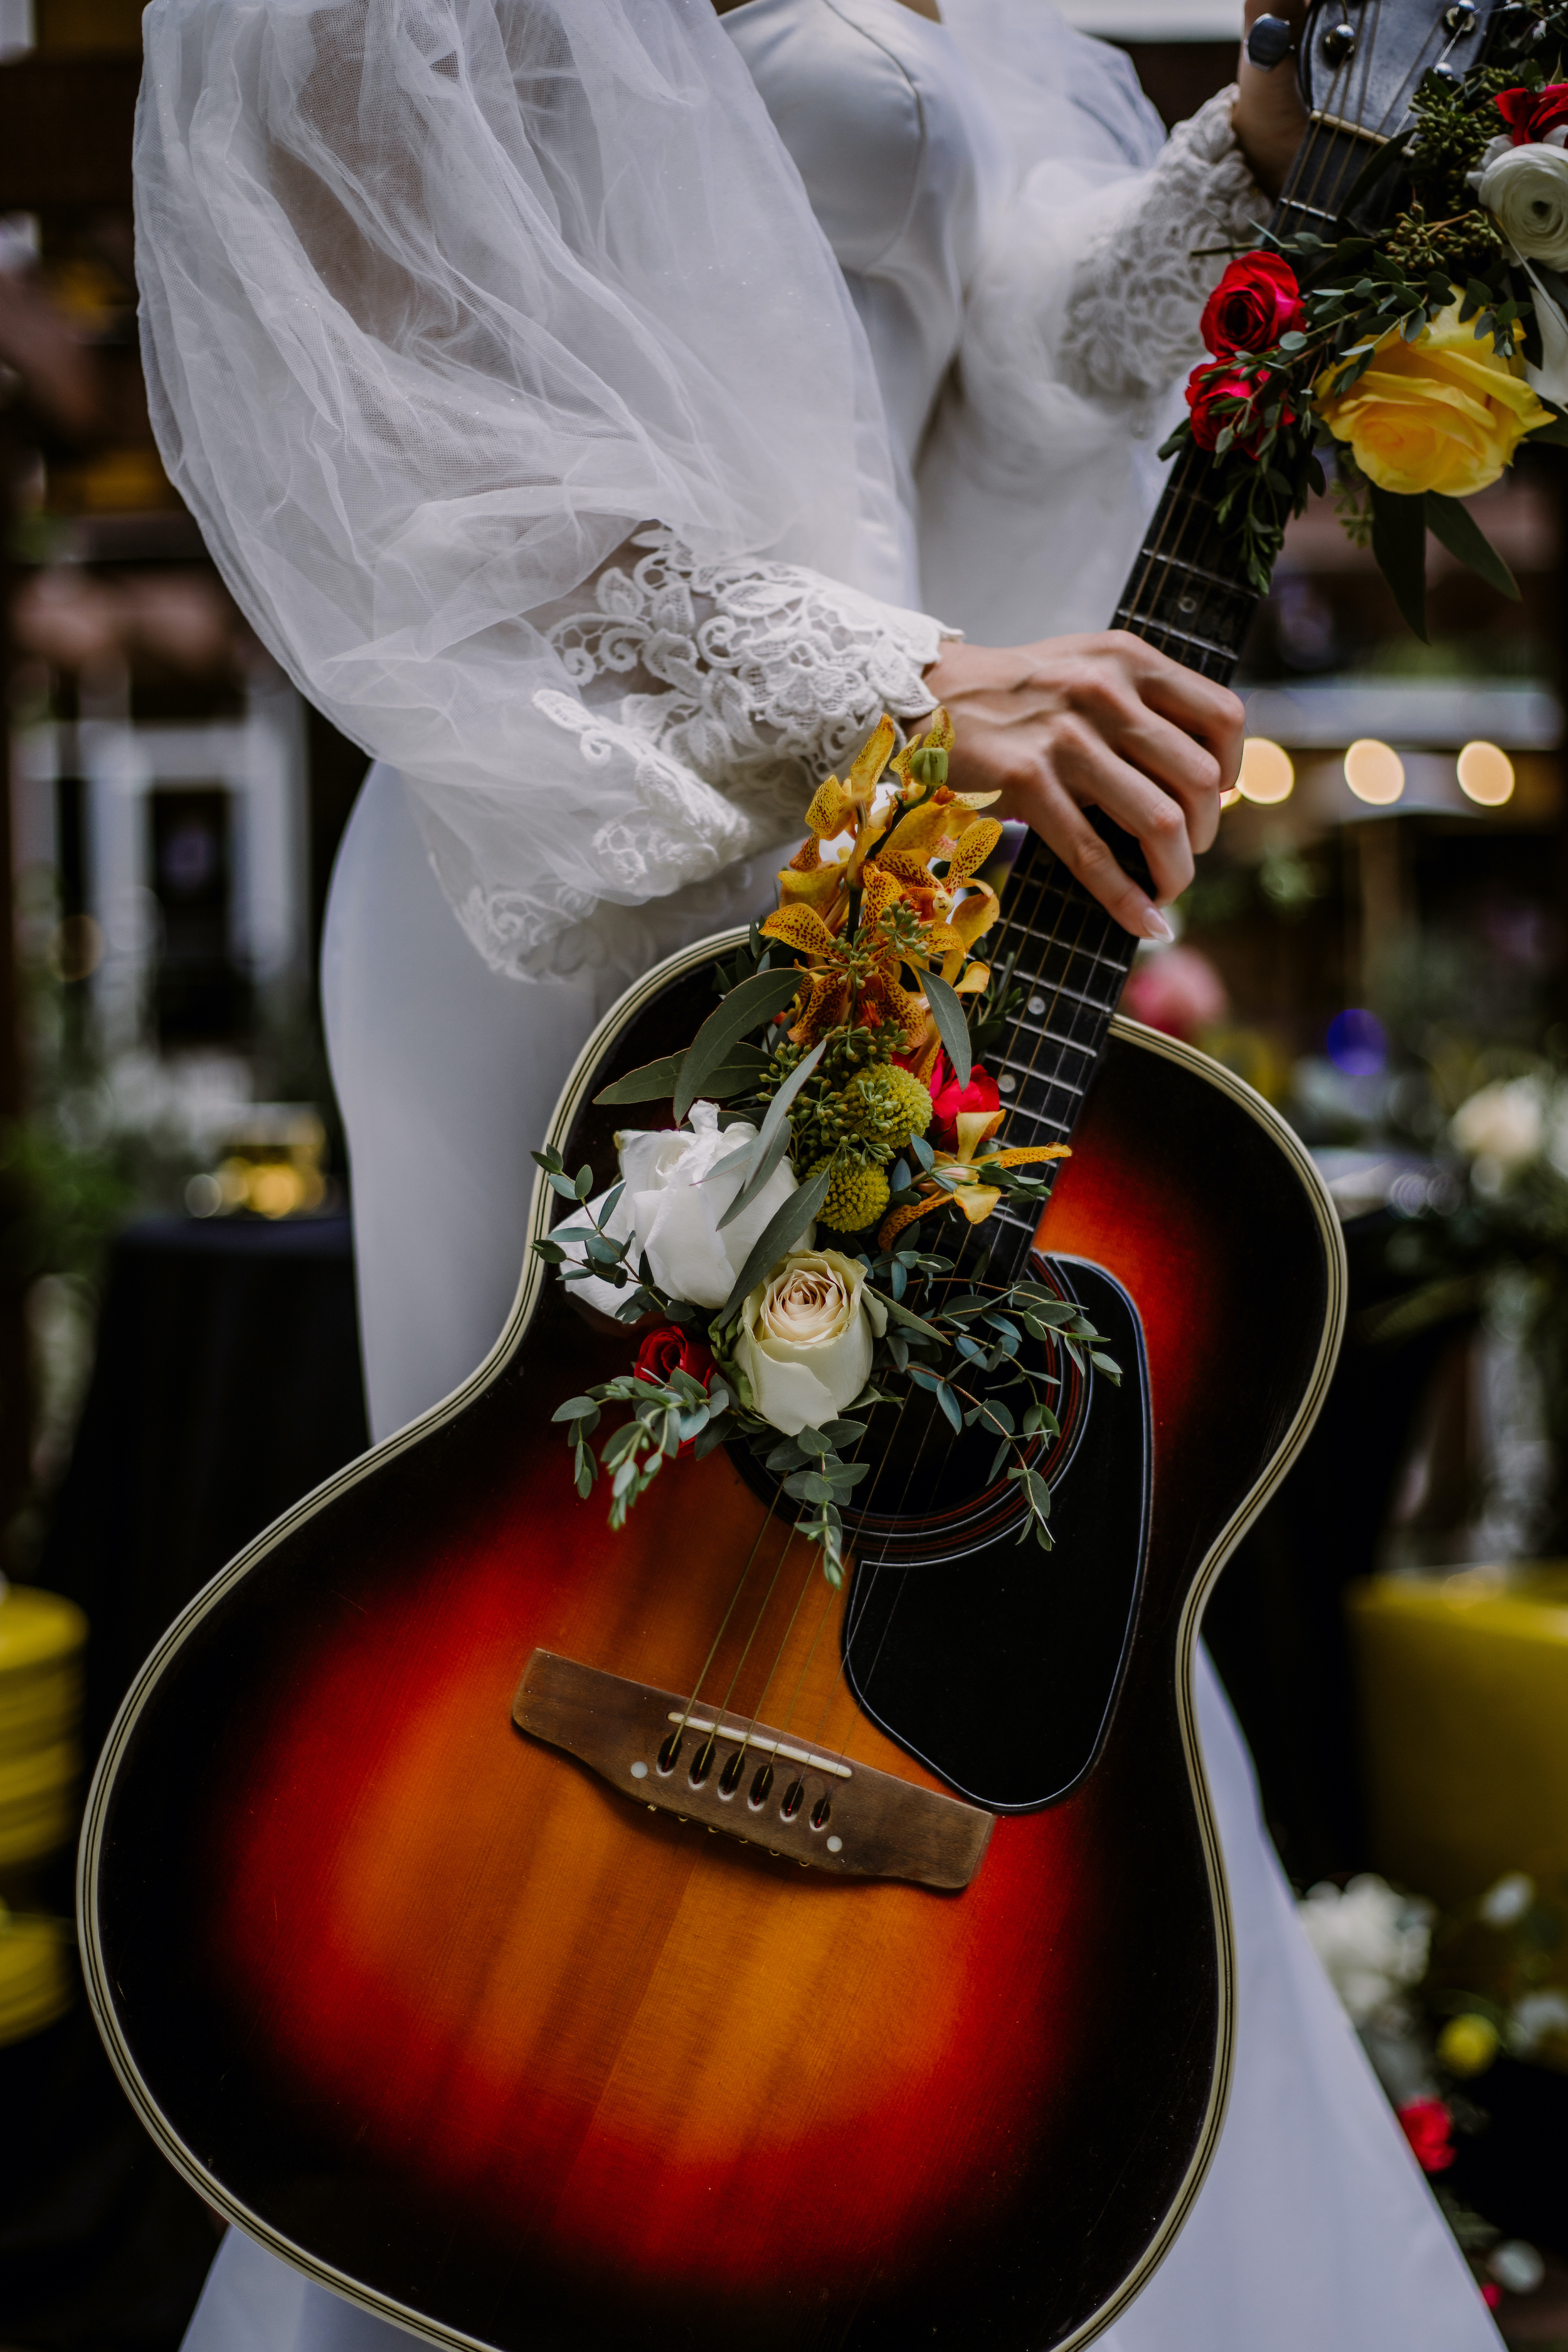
{"type": "Point", "coordinates": [901, 821]}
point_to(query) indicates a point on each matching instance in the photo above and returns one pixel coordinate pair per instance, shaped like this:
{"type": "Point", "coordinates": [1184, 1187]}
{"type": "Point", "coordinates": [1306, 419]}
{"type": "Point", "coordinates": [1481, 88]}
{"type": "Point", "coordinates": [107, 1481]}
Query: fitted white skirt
{"type": "Point", "coordinates": [1315, 2230]}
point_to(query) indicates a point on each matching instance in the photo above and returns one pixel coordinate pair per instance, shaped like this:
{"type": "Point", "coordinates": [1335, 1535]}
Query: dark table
{"type": "Point", "coordinates": [226, 1385]}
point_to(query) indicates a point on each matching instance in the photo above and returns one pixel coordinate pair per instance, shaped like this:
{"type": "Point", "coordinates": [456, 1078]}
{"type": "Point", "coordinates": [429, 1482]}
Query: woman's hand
{"type": "Point", "coordinates": [1268, 118]}
{"type": "Point", "coordinates": [1101, 722]}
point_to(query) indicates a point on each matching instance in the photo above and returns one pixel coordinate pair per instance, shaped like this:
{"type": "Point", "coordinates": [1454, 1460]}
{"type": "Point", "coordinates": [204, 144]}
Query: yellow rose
{"type": "Point", "coordinates": [1445, 413]}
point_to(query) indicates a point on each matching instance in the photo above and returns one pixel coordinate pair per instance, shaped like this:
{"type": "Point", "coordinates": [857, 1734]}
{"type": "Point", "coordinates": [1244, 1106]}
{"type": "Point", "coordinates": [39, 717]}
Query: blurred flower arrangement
{"type": "Point", "coordinates": [1437, 1997]}
{"type": "Point", "coordinates": [833, 1094]}
{"type": "Point", "coordinates": [1427, 347]}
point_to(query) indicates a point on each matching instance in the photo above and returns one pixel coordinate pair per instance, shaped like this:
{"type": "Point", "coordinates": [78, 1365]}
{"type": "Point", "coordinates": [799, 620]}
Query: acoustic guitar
{"type": "Point", "coordinates": [433, 1960]}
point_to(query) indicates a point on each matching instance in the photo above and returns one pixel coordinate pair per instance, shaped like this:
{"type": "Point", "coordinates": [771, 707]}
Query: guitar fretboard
{"type": "Point", "coordinates": [1187, 595]}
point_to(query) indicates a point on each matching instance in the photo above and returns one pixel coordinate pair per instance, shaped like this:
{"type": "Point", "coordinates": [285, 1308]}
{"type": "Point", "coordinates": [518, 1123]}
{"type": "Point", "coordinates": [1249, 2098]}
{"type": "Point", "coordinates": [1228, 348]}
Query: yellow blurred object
{"type": "Point", "coordinates": [36, 1979]}
{"type": "Point", "coordinates": [1486, 774]}
{"type": "Point", "coordinates": [273, 1166]}
{"type": "Point", "coordinates": [1375, 773]}
{"type": "Point", "coordinates": [1467, 2044]}
{"type": "Point", "coordinates": [1464, 1715]}
{"type": "Point", "coordinates": [41, 1642]}
{"type": "Point", "coordinates": [1268, 772]}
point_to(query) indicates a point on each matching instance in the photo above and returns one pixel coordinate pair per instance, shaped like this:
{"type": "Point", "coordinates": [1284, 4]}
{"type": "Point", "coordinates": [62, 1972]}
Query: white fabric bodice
{"type": "Point", "coordinates": [905, 167]}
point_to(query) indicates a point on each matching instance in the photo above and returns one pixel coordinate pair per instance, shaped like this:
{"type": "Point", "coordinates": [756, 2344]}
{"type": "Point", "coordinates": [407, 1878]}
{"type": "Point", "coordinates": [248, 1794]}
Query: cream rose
{"type": "Point", "coordinates": [805, 1342]}
{"type": "Point", "coordinates": [1525, 189]}
{"type": "Point", "coordinates": [671, 1207]}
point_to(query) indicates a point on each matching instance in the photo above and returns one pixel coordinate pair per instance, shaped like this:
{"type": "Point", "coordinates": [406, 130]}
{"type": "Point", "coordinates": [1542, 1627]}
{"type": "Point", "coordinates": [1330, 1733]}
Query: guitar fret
{"type": "Point", "coordinates": [1054, 1037]}
{"type": "Point", "coordinates": [1193, 571]}
{"type": "Point", "coordinates": [1111, 963]}
{"type": "Point", "coordinates": [1183, 636]}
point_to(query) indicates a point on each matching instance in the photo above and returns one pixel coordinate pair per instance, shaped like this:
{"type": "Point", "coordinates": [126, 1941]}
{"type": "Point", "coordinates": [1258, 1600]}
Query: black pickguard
{"type": "Point", "coordinates": [1008, 1696]}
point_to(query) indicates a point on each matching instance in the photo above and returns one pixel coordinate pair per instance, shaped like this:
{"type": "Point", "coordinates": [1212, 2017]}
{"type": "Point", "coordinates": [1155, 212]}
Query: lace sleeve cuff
{"type": "Point", "coordinates": [1132, 323]}
{"type": "Point", "coordinates": [708, 700]}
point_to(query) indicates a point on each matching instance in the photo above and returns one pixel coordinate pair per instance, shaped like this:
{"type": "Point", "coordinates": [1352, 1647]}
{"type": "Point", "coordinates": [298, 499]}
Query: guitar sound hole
{"type": "Point", "coordinates": [821, 1812]}
{"type": "Point", "coordinates": [760, 1786]}
{"type": "Point", "coordinates": [729, 1779]}
{"type": "Point", "coordinates": [701, 1765]}
{"type": "Point", "coordinates": [670, 1754]}
{"type": "Point", "coordinates": [794, 1798]}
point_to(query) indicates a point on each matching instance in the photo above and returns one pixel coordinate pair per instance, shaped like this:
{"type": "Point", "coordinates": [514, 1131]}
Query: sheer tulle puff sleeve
{"type": "Point", "coordinates": [445, 303]}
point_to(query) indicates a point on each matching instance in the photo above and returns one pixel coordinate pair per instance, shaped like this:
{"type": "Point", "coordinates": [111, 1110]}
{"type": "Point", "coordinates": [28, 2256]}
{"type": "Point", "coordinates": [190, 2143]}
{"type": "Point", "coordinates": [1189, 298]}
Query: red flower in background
{"type": "Point", "coordinates": [670, 1350]}
{"type": "Point", "coordinates": [1530, 114]}
{"type": "Point", "coordinates": [1255, 302]}
{"type": "Point", "coordinates": [948, 1098]}
{"type": "Point", "coordinates": [1428, 2127]}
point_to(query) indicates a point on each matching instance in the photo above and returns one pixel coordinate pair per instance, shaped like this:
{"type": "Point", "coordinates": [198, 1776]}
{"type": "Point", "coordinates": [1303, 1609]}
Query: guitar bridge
{"type": "Point", "coordinates": [751, 1781]}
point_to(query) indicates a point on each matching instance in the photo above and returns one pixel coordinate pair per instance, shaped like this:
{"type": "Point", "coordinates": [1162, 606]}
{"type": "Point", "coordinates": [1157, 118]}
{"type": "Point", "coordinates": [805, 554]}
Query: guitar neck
{"type": "Point", "coordinates": [1187, 595]}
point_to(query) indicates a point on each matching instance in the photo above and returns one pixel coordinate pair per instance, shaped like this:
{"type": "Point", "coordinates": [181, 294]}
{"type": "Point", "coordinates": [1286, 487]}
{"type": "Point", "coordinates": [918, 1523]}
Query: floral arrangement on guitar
{"type": "Point", "coordinates": [1427, 347]}
{"type": "Point", "coordinates": [765, 1247]}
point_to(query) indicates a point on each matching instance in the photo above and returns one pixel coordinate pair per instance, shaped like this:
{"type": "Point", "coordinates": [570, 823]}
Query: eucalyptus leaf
{"type": "Point", "coordinates": [1399, 543]}
{"type": "Point", "coordinates": [1450, 520]}
{"type": "Point", "coordinates": [903, 1315]}
{"type": "Point", "coordinates": [772, 1136]}
{"type": "Point", "coordinates": [947, 1011]}
{"type": "Point", "coordinates": [655, 1082]}
{"type": "Point", "coordinates": [781, 1232]}
{"type": "Point", "coordinates": [745, 1008]}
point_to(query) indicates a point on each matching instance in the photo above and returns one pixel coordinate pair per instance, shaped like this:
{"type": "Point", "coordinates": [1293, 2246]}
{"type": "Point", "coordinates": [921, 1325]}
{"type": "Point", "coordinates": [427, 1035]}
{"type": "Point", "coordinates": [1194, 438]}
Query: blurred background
{"type": "Point", "coordinates": [1376, 944]}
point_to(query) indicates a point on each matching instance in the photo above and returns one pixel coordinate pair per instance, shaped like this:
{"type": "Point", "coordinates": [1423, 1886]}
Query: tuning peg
{"type": "Point", "coordinates": [1268, 42]}
{"type": "Point", "coordinates": [1339, 44]}
{"type": "Point", "coordinates": [1459, 21]}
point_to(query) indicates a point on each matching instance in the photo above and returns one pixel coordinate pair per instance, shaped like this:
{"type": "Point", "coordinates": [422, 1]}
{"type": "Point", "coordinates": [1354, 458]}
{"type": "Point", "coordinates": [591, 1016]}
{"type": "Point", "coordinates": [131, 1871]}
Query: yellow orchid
{"type": "Point", "coordinates": [848, 979]}
{"type": "Point", "coordinates": [971, 1192]}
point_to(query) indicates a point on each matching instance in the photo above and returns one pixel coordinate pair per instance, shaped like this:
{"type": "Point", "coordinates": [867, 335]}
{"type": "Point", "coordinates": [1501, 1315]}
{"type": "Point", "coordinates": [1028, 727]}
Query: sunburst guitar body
{"type": "Point", "coordinates": [428, 1962]}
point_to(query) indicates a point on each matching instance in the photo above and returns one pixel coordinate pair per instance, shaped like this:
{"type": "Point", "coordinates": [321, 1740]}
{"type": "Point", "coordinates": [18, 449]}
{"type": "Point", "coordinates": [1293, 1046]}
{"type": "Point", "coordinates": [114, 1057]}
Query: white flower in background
{"type": "Point", "coordinates": [676, 1192]}
{"type": "Point", "coordinates": [1503, 1123]}
{"type": "Point", "coordinates": [1525, 189]}
{"type": "Point", "coordinates": [1534, 2017]}
{"type": "Point", "coordinates": [1508, 1900]}
{"type": "Point", "coordinates": [805, 1342]}
{"type": "Point", "coordinates": [1516, 2265]}
{"type": "Point", "coordinates": [1370, 1941]}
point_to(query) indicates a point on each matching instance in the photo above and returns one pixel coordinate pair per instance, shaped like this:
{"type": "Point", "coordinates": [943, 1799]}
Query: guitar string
{"type": "Point", "coordinates": [1318, 153]}
{"type": "Point", "coordinates": [1041, 879]}
{"type": "Point", "coordinates": [1154, 553]}
{"type": "Point", "coordinates": [762, 1611]}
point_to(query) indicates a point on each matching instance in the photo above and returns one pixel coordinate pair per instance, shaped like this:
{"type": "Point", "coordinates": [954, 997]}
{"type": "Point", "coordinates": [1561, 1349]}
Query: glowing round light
{"type": "Point", "coordinates": [1375, 773]}
{"type": "Point", "coordinates": [1486, 774]}
{"type": "Point", "coordinates": [1266, 775]}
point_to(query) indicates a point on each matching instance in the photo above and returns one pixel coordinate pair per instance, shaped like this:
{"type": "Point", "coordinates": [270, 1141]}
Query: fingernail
{"type": "Point", "coordinates": [1155, 926]}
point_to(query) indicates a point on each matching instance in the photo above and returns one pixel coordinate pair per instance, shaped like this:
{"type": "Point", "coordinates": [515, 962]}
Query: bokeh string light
{"type": "Point", "coordinates": [1375, 773]}
{"type": "Point", "coordinates": [1486, 774]}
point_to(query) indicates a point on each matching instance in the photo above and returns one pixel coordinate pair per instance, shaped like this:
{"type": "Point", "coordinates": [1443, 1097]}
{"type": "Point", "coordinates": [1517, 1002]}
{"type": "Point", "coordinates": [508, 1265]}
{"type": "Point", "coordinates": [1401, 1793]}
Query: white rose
{"type": "Point", "coordinates": [1502, 1122]}
{"type": "Point", "coordinates": [1525, 189]}
{"type": "Point", "coordinates": [671, 1207]}
{"type": "Point", "coordinates": [1370, 1940]}
{"type": "Point", "coordinates": [805, 1342]}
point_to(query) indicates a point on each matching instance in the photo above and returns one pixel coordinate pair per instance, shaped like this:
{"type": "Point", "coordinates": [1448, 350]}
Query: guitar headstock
{"type": "Point", "coordinates": [1359, 62]}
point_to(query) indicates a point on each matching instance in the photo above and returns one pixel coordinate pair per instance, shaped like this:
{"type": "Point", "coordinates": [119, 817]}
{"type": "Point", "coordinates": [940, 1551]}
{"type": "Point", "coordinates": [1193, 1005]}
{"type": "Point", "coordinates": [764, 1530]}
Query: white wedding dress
{"type": "Point", "coordinates": [602, 669]}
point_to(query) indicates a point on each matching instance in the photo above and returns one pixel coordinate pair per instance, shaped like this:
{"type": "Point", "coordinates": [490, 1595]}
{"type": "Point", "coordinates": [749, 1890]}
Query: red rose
{"type": "Point", "coordinates": [669, 1349]}
{"type": "Point", "coordinates": [1255, 302]}
{"type": "Point", "coordinates": [1530, 114]}
{"type": "Point", "coordinates": [1427, 2125]}
{"type": "Point", "coordinates": [1219, 396]}
{"type": "Point", "coordinates": [948, 1098]}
